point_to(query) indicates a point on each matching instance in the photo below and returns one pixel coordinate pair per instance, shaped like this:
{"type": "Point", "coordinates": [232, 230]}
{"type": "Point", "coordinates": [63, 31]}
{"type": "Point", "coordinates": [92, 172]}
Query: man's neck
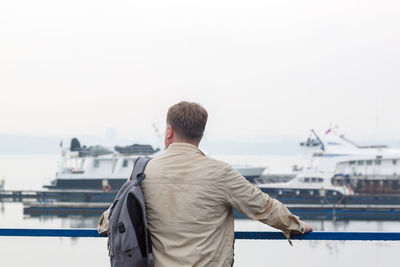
{"type": "Point", "coordinates": [196, 144]}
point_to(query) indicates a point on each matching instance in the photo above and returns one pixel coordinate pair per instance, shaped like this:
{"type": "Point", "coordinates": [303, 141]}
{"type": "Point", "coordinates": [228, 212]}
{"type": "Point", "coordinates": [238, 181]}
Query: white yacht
{"type": "Point", "coordinates": [308, 187]}
{"type": "Point", "coordinates": [339, 167]}
{"type": "Point", "coordinates": [99, 168]}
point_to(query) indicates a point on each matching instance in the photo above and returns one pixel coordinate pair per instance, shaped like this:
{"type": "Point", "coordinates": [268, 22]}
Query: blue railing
{"type": "Point", "coordinates": [337, 236]}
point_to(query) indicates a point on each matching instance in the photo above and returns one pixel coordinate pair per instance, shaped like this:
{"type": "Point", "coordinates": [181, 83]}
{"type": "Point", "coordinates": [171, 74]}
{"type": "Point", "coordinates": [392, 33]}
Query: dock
{"type": "Point", "coordinates": [346, 211]}
{"type": "Point", "coordinates": [341, 212]}
{"type": "Point", "coordinates": [94, 202]}
{"type": "Point", "coordinates": [65, 208]}
{"type": "Point", "coordinates": [304, 211]}
{"type": "Point", "coordinates": [58, 195]}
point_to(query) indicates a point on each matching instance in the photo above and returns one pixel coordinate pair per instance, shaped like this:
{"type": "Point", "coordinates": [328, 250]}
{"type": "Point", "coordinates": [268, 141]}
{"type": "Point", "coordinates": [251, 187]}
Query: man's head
{"type": "Point", "coordinates": [186, 122]}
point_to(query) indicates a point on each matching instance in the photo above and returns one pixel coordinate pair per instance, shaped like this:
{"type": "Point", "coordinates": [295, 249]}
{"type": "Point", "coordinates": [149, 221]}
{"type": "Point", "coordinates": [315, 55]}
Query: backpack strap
{"type": "Point", "coordinates": [138, 169]}
{"type": "Point", "coordinates": [138, 176]}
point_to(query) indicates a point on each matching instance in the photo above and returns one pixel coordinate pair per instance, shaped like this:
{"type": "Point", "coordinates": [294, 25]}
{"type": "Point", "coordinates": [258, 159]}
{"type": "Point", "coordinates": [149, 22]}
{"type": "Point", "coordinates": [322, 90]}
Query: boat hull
{"type": "Point", "coordinates": [97, 184]}
{"type": "Point", "coordinates": [89, 184]}
{"type": "Point", "coordinates": [304, 196]}
{"type": "Point", "coordinates": [313, 196]}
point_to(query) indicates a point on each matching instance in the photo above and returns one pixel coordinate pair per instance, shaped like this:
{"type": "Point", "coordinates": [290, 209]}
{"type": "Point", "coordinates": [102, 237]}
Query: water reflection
{"type": "Point", "coordinates": [12, 215]}
{"type": "Point", "coordinates": [75, 221]}
{"type": "Point", "coordinates": [84, 222]}
{"type": "Point", "coordinates": [247, 252]}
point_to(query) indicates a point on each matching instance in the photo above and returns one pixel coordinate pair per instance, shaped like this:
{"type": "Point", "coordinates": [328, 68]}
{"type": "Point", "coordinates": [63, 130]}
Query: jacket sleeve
{"type": "Point", "coordinates": [252, 202]}
{"type": "Point", "coordinates": [103, 227]}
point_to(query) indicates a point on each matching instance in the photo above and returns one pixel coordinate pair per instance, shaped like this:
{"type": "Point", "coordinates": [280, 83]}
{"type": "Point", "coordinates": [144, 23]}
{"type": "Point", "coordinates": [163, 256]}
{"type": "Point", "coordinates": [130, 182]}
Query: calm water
{"type": "Point", "coordinates": [30, 172]}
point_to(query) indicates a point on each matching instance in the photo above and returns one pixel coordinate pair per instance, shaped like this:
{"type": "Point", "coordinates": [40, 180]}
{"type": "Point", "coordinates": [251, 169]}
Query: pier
{"type": "Point", "coordinates": [342, 211]}
{"type": "Point", "coordinates": [65, 208]}
{"type": "Point", "coordinates": [58, 195]}
{"type": "Point", "coordinates": [346, 211]}
{"type": "Point", "coordinates": [94, 202]}
{"type": "Point", "coordinates": [305, 211]}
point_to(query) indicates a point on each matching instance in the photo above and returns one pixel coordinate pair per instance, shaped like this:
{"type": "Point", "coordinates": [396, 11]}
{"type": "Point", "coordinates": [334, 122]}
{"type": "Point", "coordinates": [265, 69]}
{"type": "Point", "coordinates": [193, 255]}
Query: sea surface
{"type": "Point", "coordinates": [31, 172]}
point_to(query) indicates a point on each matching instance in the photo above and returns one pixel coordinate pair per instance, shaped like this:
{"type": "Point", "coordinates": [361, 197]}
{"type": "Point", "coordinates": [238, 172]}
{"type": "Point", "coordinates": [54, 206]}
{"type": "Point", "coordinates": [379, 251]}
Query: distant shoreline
{"type": "Point", "coordinates": [270, 145]}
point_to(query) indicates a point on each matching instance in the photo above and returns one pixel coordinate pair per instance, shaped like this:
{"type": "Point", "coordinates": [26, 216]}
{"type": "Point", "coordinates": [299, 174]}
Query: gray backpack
{"type": "Point", "coordinates": [129, 242]}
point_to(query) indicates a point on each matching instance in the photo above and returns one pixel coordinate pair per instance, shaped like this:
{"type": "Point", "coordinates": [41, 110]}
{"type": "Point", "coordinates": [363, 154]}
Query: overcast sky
{"type": "Point", "coordinates": [281, 67]}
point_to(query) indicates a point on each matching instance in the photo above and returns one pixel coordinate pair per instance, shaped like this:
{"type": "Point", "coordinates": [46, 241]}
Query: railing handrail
{"type": "Point", "coordinates": [337, 236]}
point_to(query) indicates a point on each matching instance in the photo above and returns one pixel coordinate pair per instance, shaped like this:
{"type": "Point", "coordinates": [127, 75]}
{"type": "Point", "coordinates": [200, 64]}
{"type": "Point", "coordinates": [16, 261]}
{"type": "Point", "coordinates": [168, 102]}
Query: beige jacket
{"type": "Point", "coordinates": [189, 199]}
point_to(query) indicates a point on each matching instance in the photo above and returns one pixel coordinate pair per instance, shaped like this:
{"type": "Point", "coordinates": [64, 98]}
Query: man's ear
{"type": "Point", "coordinates": [170, 132]}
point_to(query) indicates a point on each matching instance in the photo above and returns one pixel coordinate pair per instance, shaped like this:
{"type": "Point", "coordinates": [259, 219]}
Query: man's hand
{"type": "Point", "coordinates": [308, 228]}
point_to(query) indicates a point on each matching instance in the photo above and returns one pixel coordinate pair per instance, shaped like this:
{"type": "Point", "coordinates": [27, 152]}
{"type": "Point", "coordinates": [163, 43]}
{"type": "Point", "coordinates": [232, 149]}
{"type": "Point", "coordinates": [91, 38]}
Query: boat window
{"type": "Point", "coordinates": [369, 162]}
{"type": "Point", "coordinates": [352, 162]}
{"type": "Point", "coordinates": [125, 163]}
{"type": "Point", "coordinates": [360, 162]}
{"type": "Point", "coordinates": [320, 180]}
{"type": "Point", "coordinates": [307, 180]}
{"type": "Point", "coordinates": [394, 162]}
{"type": "Point", "coordinates": [377, 162]}
{"type": "Point", "coordinates": [96, 163]}
{"type": "Point", "coordinates": [314, 180]}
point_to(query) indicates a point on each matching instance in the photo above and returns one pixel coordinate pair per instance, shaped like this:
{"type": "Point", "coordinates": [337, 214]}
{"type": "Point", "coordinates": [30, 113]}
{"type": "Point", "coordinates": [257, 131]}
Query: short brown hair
{"type": "Point", "coordinates": [188, 119]}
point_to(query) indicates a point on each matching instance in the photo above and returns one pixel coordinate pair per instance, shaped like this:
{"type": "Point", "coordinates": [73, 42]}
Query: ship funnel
{"type": "Point", "coordinates": [75, 145]}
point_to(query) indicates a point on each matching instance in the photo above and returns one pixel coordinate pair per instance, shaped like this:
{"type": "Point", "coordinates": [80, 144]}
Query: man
{"type": "Point", "coordinates": [189, 198]}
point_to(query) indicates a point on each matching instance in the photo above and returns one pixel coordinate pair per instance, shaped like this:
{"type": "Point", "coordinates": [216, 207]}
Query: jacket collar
{"type": "Point", "coordinates": [180, 147]}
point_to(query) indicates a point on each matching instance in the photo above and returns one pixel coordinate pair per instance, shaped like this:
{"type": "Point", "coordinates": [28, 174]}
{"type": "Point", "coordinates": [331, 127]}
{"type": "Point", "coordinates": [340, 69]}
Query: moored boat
{"type": "Point", "coordinates": [99, 168]}
{"type": "Point", "coordinates": [342, 172]}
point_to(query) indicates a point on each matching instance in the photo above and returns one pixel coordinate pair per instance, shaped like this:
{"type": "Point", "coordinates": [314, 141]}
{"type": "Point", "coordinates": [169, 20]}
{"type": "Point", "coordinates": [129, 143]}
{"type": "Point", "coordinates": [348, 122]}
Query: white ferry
{"type": "Point", "coordinates": [100, 168]}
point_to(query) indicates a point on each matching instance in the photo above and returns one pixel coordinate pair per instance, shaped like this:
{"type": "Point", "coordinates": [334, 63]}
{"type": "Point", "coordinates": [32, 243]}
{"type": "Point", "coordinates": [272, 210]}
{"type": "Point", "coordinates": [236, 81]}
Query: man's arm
{"type": "Point", "coordinates": [252, 202]}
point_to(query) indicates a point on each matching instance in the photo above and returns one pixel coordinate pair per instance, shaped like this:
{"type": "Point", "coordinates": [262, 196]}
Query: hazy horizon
{"type": "Point", "coordinates": [275, 68]}
{"type": "Point", "coordinates": [258, 145]}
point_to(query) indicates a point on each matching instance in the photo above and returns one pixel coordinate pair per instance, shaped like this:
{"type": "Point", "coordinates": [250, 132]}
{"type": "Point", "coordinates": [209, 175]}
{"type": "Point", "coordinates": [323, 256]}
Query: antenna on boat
{"type": "Point", "coordinates": [318, 139]}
